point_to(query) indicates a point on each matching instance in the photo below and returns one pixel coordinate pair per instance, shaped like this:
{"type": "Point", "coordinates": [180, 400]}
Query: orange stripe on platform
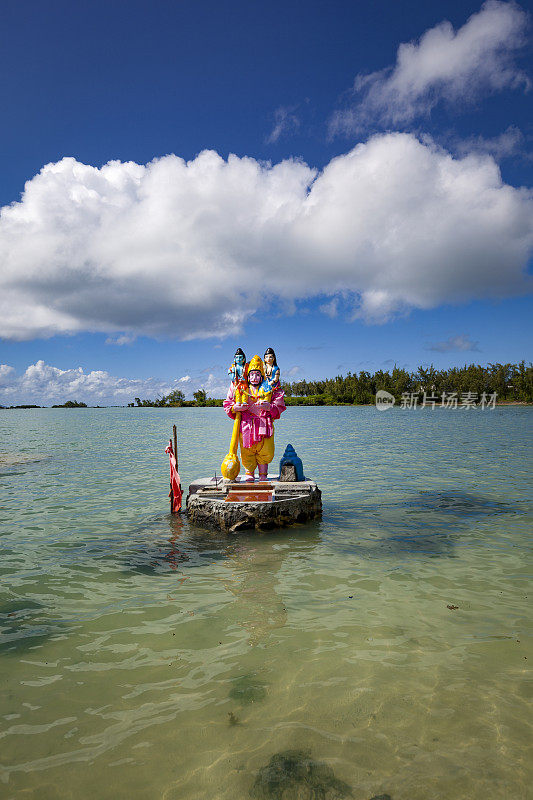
{"type": "Point", "coordinates": [249, 496]}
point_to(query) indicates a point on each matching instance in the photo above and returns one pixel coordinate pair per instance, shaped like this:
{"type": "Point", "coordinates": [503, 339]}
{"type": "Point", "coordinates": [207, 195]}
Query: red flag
{"type": "Point", "coordinates": [175, 493]}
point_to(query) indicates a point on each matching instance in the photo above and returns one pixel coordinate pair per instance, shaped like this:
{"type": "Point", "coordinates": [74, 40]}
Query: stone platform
{"type": "Point", "coordinates": [235, 506]}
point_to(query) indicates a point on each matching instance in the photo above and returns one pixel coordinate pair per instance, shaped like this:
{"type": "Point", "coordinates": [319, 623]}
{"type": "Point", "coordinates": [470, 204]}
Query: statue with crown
{"type": "Point", "coordinates": [254, 401]}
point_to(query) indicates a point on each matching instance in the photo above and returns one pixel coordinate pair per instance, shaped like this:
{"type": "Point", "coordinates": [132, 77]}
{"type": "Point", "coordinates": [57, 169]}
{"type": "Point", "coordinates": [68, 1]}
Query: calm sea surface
{"type": "Point", "coordinates": [383, 650]}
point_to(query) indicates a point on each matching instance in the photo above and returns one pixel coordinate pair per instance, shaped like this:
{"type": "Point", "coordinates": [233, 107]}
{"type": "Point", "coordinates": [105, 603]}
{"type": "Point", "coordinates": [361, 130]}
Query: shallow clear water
{"type": "Point", "coordinates": [143, 658]}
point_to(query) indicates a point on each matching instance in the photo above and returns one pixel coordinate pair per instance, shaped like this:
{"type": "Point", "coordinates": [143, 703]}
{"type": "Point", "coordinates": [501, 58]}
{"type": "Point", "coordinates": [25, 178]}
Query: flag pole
{"type": "Point", "coordinates": [175, 443]}
{"type": "Point", "coordinates": [175, 494]}
{"type": "Point", "coordinates": [171, 493]}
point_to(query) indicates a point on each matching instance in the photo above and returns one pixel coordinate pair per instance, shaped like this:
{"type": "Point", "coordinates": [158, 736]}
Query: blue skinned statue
{"type": "Point", "coordinates": [237, 368]}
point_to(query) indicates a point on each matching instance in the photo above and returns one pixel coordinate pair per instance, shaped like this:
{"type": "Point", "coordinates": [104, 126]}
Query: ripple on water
{"type": "Point", "coordinates": [380, 651]}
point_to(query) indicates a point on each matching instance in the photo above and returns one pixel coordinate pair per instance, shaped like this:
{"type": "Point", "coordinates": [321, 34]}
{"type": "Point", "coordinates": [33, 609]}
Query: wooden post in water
{"type": "Point", "coordinates": [175, 446]}
{"type": "Point", "coordinates": [171, 495]}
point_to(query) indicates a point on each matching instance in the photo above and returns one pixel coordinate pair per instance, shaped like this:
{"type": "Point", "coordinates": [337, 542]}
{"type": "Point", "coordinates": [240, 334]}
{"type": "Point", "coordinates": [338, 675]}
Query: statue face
{"type": "Point", "coordinates": [239, 359]}
{"type": "Point", "coordinates": [269, 358]}
{"type": "Point", "coordinates": [255, 377]}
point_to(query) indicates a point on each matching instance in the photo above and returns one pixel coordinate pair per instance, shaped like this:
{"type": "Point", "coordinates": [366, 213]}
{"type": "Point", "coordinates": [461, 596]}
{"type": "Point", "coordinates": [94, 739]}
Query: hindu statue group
{"type": "Point", "coordinates": [254, 401]}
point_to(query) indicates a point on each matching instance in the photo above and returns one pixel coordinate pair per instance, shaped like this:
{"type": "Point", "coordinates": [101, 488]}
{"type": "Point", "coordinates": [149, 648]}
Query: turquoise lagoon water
{"type": "Point", "coordinates": [143, 658]}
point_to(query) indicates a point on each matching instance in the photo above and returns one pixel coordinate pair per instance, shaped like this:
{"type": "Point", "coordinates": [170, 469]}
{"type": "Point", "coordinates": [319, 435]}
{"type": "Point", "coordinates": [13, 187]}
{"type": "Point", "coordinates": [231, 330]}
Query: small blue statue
{"type": "Point", "coordinates": [237, 368]}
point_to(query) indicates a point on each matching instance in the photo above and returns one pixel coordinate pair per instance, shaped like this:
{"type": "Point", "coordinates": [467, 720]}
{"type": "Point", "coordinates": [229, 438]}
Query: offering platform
{"type": "Point", "coordinates": [239, 505]}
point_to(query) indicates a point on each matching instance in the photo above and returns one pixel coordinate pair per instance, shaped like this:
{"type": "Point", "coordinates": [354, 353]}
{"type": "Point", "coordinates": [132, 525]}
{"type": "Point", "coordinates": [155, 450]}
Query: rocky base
{"type": "Point", "coordinates": [295, 502]}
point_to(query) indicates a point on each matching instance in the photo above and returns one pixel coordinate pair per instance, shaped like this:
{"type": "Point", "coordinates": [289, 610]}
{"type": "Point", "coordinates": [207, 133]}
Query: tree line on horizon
{"type": "Point", "coordinates": [510, 382]}
{"type": "Point", "coordinates": [176, 399]}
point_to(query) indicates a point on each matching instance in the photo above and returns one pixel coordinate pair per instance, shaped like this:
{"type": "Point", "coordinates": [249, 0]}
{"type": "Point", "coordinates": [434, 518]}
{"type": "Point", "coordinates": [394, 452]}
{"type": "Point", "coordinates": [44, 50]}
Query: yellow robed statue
{"type": "Point", "coordinates": [253, 404]}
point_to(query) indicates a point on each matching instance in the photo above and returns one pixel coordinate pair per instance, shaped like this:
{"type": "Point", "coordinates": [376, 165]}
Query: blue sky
{"type": "Point", "coordinates": [153, 274]}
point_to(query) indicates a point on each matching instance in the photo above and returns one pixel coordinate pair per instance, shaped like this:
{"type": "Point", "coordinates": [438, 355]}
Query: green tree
{"type": "Point", "coordinates": [175, 398]}
{"type": "Point", "coordinates": [287, 388]}
{"type": "Point", "coordinates": [200, 397]}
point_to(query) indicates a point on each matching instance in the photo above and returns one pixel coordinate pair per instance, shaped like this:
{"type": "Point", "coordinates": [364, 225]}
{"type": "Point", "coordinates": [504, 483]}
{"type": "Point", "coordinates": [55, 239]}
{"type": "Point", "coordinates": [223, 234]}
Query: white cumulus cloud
{"type": "Point", "coordinates": [331, 308]}
{"type": "Point", "coordinates": [120, 340]}
{"type": "Point", "coordinates": [285, 122]}
{"type": "Point", "coordinates": [454, 66]}
{"type": "Point", "coordinates": [459, 343]}
{"type": "Point", "coordinates": [509, 143]}
{"type": "Point", "coordinates": [44, 384]}
{"type": "Point", "coordinates": [6, 375]}
{"type": "Point", "coordinates": [192, 249]}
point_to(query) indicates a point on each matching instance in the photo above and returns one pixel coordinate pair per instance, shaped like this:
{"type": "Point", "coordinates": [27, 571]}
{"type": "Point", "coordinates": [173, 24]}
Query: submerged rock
{"type": "Point", "coordinates": [210, 505]}
{"type": "Point", "coordinates": [247, 689]}
{"type": "Point", "coordinates": [293, 775]}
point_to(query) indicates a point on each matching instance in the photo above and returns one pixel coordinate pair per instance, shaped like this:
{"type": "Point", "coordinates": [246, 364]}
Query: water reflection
{"type": "Point", "coordinates": [169, 543]}
{"type": "Point", "coordinates": [252, 563]}
{"type": "Point", "coordinates": [258, 607]}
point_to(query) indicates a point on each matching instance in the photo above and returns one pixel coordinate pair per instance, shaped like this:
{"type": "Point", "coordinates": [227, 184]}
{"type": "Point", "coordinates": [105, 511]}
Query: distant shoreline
{"type": "Point", "coordinates": [218, 404]}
